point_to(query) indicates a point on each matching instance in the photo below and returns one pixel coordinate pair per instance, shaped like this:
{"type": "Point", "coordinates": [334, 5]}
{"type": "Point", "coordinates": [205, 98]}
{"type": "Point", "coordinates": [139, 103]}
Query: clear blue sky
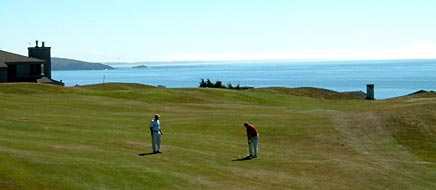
{"type": "Point", "coordinates": [156, 30]}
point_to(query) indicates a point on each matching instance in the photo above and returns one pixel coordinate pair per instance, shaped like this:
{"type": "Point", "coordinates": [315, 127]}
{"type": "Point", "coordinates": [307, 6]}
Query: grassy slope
{"type": "Point", "coordinates": [90, 137]}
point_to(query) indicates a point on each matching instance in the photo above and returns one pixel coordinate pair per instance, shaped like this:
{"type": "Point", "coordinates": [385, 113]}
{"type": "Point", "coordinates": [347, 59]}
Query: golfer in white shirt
{"type": "Point", "coordinates": [156, 134]}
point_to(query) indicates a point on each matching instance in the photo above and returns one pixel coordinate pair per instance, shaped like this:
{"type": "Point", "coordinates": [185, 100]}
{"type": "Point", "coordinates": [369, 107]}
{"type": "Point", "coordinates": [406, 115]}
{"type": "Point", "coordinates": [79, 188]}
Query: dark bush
{"type": "Point", "coordinates": [219, 84]}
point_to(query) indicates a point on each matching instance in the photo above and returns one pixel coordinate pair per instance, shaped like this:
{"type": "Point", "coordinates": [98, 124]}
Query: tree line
{"type": "Point", "coordinates": [219, 84]}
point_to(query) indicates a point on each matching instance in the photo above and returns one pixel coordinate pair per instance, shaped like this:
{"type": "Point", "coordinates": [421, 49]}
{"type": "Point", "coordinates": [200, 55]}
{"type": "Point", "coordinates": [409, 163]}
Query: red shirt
{"type": "Point", "coordinates": [251, 131]}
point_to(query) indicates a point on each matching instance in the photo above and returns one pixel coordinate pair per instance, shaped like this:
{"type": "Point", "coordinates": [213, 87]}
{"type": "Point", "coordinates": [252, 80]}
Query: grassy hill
{"type": "Point", "coordinates": [91, 137]}
{"type": "Point", "coordinates": [317, 93]}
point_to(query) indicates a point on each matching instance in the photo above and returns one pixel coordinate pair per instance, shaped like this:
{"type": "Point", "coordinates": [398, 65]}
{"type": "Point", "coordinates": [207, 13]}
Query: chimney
{"type": "Point", "coordinates": [44, 54]}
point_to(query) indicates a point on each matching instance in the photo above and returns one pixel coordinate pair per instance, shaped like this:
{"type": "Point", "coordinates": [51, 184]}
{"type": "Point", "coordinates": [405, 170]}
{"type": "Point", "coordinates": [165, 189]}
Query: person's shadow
{"type": "Point", "coordinates": [146, 154]}
{"type": "Point", "coordinates": [244, 159]}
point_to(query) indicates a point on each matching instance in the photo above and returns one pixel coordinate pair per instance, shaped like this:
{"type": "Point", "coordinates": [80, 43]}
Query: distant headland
{"type": "Point", "coordinates": [140, 67]}
{"type": "Point", "coordinates": [72, 64]}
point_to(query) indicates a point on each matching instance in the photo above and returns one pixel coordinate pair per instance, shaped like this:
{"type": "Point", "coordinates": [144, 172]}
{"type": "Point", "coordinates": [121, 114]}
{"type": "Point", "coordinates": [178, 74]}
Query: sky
{"type": "Point", "coordinates": [186, 30]}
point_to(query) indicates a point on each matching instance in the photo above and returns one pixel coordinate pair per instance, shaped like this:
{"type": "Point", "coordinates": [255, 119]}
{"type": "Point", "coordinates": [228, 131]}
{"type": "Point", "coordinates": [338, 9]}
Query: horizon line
{"type": "Point", "coordinates": [260, 60]}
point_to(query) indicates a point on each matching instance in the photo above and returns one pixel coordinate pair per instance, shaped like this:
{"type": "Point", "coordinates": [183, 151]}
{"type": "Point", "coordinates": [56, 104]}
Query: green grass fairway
{"type": "Point", "coordinates": [90, 137]}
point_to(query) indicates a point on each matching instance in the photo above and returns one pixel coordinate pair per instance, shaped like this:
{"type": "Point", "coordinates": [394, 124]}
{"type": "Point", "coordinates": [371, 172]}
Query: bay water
{"type": "Point", "coordinates": [391, 78]}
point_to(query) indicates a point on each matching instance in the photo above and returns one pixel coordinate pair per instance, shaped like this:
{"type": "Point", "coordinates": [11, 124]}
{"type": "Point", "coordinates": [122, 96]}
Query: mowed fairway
{"type": "Point", "coordinates": [92, 137]}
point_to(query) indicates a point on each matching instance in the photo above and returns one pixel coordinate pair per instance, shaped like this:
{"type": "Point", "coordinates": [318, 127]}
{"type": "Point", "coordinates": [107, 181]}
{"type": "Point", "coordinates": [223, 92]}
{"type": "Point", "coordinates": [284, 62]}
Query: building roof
{"type": "Point", "coordinates": [47, 80]}
{"type": "Point", "coordinates": [7, 57]}
{"type": "Point", "coordinates": [3, 65]}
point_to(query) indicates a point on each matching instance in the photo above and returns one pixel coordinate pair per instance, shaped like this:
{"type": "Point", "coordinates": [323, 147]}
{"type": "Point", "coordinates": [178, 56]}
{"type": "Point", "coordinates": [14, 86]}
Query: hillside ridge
{"type": "Point", "coordinates": [72, 64]}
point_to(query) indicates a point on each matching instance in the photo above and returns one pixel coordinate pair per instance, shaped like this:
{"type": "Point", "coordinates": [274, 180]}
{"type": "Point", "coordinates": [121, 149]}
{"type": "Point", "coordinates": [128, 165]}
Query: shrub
{"type": "Point", "coordinates": [219, 84]}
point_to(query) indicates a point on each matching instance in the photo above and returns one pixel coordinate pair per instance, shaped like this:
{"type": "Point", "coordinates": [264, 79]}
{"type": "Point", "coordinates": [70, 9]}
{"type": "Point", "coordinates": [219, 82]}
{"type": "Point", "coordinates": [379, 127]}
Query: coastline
{"type": "Point", "coordinates": [391, 78]}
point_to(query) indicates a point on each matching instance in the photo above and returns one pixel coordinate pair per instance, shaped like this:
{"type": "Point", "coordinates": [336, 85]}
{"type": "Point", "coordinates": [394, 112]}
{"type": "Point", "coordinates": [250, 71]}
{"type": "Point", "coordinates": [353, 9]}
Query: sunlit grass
{"type": "Point", "coordinates": [90, 137]}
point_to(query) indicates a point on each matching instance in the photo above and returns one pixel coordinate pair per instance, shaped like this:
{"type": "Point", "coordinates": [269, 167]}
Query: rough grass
{"type": "Point", "coordinates": [90, 137]}
{"type": "Point", "coordinates": [316, 93]}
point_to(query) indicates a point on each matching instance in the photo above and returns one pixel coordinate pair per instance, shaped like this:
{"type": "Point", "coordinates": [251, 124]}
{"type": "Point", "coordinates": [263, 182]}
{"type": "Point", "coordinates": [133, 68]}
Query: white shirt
{"type": "Point", "coordinates": [155, 125]}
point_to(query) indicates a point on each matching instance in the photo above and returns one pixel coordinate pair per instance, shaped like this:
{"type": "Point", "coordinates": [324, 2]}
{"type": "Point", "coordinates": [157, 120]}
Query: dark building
{"type": "Point", "coordinates": [34, 68]}
{"type": "Point", "coordinates": [370, 92]}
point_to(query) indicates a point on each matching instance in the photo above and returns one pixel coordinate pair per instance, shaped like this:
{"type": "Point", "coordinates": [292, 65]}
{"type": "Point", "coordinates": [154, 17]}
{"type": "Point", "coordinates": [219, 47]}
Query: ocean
{"type": "Point", "coordinates": [391, 78]}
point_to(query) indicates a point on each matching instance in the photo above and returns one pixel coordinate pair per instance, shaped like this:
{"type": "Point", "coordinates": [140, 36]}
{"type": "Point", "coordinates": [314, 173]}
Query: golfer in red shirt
{"type": "Point", "coordinates": [253, 139]}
